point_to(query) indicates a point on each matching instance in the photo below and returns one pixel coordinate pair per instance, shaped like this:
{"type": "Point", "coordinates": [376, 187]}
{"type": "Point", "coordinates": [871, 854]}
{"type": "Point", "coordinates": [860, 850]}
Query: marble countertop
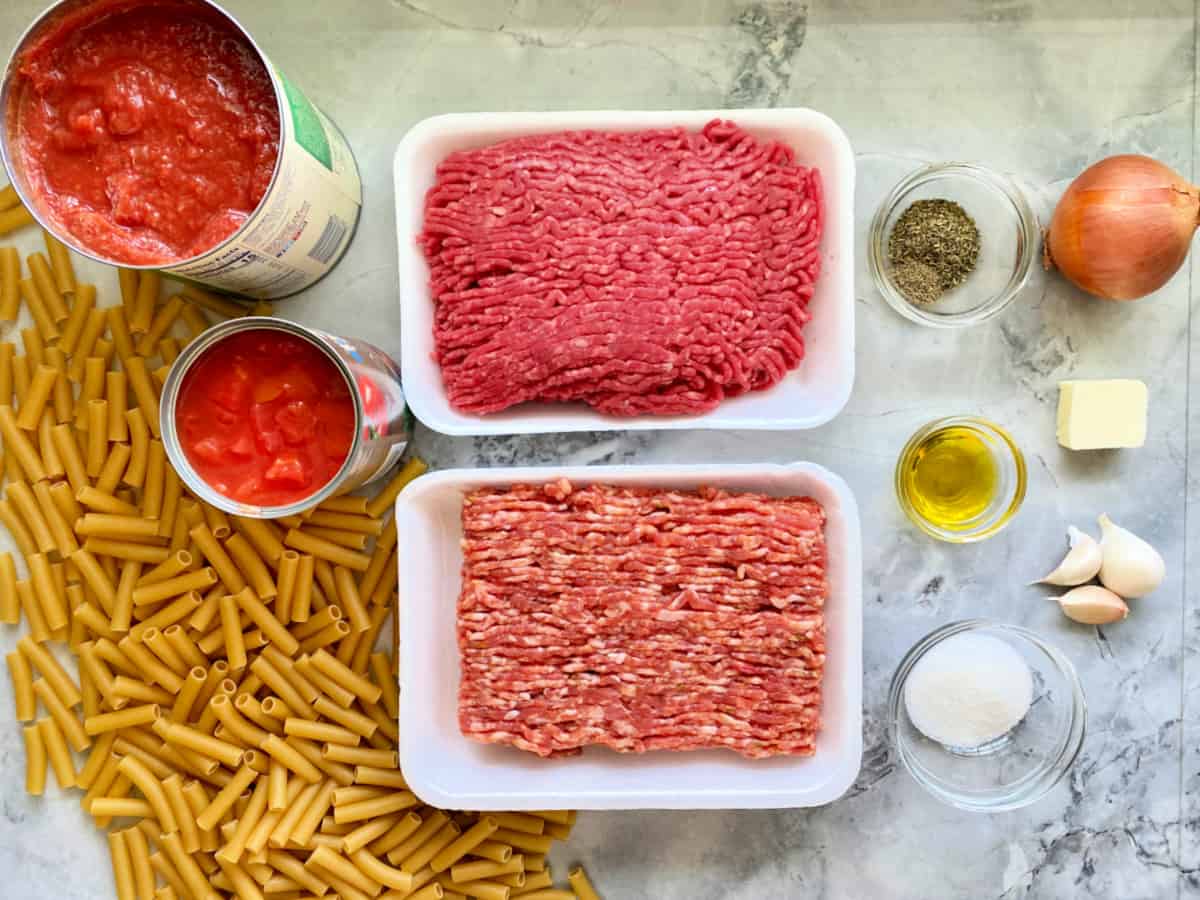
{"type": "Point", "coordinates": [1035, 90]}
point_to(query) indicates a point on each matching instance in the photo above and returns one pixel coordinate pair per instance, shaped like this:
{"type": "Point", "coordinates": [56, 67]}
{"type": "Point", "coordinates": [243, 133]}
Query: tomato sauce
{"type": "Point", "coordinates": [265, 418]}
{"type": "Point", "coordinates": [147, 131]}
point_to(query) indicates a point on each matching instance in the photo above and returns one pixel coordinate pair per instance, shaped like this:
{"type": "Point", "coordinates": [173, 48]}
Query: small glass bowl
{"type": "Point", "coordinates": [1011, 771]}
{"type": "Point", "coordinates": [1010, 486]}
{"type": "Point", "coordinates": [1008, 235]}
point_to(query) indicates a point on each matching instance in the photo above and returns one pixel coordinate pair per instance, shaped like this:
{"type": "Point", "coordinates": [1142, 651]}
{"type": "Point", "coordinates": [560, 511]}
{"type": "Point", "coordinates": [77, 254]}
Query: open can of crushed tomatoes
{"type": "Point", "coordinates": [249, 408]}
{"type": "Point", "coordinates": [157, 185]}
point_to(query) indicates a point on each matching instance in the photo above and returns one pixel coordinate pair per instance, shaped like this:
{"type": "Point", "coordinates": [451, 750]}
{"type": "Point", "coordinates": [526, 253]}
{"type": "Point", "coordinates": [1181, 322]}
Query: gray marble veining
{"type": "Point", "coordinates": [1035, 90]}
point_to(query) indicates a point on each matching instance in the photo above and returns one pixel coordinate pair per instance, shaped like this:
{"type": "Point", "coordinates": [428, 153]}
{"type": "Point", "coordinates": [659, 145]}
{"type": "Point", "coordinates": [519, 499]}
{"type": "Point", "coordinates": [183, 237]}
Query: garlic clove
{"type": "Point", "coordinates": [1081, 563]}
{"type": "Point", "coordinates": [1130, 566]}
{"type": "Point", "coordinates": [1093, 605]}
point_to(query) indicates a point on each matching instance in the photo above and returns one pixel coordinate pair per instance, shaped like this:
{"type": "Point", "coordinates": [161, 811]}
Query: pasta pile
{"type": "Point", "coordinates": [237, 725]}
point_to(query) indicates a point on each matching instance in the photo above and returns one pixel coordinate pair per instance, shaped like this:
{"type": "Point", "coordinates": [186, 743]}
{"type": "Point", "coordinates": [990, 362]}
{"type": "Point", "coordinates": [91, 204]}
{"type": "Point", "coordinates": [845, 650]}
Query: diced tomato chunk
{"type": "Point", "coordinates": [287, 469]}
{"type": "Point", "coordinates": [208, 449]}
{"type": "Point", "coordinates": [297, 422]}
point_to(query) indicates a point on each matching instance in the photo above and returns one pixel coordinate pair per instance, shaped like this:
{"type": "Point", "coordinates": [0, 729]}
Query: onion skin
{"type": "Point", "coordinates": [1123, 227]}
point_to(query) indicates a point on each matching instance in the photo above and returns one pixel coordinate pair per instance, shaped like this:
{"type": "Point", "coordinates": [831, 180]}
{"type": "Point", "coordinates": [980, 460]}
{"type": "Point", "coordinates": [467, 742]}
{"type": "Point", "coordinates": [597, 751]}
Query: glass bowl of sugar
{"type": "Point", "coordinates": [986, 716]}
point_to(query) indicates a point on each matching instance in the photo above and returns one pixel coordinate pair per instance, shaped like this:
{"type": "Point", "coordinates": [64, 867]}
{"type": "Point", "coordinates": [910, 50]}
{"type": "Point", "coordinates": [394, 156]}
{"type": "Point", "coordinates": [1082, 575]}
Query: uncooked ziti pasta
{"type": "Point", "coordinates": [227, 718]}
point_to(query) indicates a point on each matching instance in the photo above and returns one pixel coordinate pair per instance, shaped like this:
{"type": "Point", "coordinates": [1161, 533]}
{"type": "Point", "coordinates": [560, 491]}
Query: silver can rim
{"type": "Point", "coordinates": [190, 355]}
{"type": "Point", "coordinates": [11, 166]}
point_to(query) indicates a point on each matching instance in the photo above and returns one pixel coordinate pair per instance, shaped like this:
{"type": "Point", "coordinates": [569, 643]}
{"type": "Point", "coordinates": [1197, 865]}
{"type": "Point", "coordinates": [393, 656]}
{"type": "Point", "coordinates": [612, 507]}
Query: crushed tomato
{"type": "Point", "coordinates": [148, 131]}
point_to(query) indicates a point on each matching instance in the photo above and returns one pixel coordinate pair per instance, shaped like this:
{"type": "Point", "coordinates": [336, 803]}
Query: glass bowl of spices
{"type": "Point", "coordinates": [986, 716]}
{"type": "Point", "coordinates": [952, 245]}
{"type": "Point", "coordinates": [960, 479]}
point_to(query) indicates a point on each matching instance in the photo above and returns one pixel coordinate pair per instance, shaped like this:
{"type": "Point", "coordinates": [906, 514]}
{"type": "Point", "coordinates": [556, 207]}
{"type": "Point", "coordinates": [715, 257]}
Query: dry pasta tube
{"type": "Point", "coordinates": [97, 437]}
{"type": "Point", "coordinates": [60, 264]}
{"type": "Point", "coordinates": [177, 563]}
{"type": "Point", "coordinates": [98, 501]}
{"type": "Point", "coordinates": [285, 584]}
{"type": "Point", "coordinates": [302, 593]}
{"type": "Point", "coordinates": [286, 824]}
{"type": "Point", "coordinates": [157, 591]}
{"type": "Point", "coordinates": [385, 498]}
{"type": "Point", "coordinates": [122, 865]}
{"type": "Point", "coordinates": [251, 565]}
{"type": "Point", "coordinates": [335, 864]}
{"type": "Point", "coordinates": [464, 844]}
{"type": "Point", "coordinates": [40, 389]}
{"type": "Point", "coordinates": [224, 800]}
{"type": "Point", "coordinates": [43, 278]}
{"type": "Point", "coordinates": [199, 742]}
{"type": "Point", "coordinates": [145, 781]}
{"type": "Point", "coordinates": [340, 697]}
{"type": "Point", "coordinates": [21, 535]}
{"type": "Point", "coordinates": [478, 869]}
{"type": "Point", "coordinates": [116, 392]}
{"type": "Point", "coordinates": [275, 680]}
{"type": "Point", "coordinates": [262, 536]}
{"type": "Point", "coordinates": [289, 756]}
{"type": "Point", "coordinates": [581, 884]}
{"type": "Point", "coordinates": [10, 605]}
{"type": "Point", "coordinates": [152, 488]}
{"type": "Point", "coordinates": [148, 285]}
{"type": "Point", "coordinates": [403, 833]}
{"type": "Point", "coordinates": [260, 615]}
{"type": "Point", "coordinates": [419, 858]}
{"type": "Point", "coordinates": [81, 310]}
{"type": "Point", "coordinates": [61, 404]}
{"type": "Point", "coordinates": [350, 719]}
{"type": "Point", "coordinates": [37, 310]}
{"type": "Point", "coordinates": [114, 468]}
{"type": "Point", "coordinates": [327, 550]}
{"type": "Point", "coordinates": [217, 521]}
{"type": "Point", "coordinates": [10, 276]}
{"type": "Point", "coordinates": [231, 629]}
{"type": "Point", "coordinates": [130, 717]}
{"type": "Point", "coordinates": [26, 503]}
{"type": "Point", "coordinates": [17, 443]}
{"type": "Point", "coordinates": [247, 820]}
{"type": "Point", "coordinates": [206, 542]}
{"type": "Point", "coordinates": [139, 856]}
{"type": "Point", "coordinates": [56, 750]}
{"type": "Point", "coordinates": [51, 670]}
{"type": "Point", "coordinates": [163, 319]}
{"type": "Point", "coordinates": [35, 760]}
{"type": "Point", "coordinates": [139, 446]}
{"type": "Point", "coordinates": [347, 678]}
{"type": "Point", "coordinates": [93, 326]}
{"type": "Point", "coordinates": [189, 871]}
{"type": "Point", "coordinates": [349, 599]}
{"type": "Point", "coordinates": [119, 549]}
{"type": "Point", "coordinates": [95, 576]}
{"type": "Point", "coordinates": [91, 389]}
{"type": "Point", "coordinates": [52, 602]}
{"type": "Point", "coordinates": [175, 611]}
{"type": "Point", "coordinates": [21, 673]}
{"type": "Point", "coordinates": [310, 821]}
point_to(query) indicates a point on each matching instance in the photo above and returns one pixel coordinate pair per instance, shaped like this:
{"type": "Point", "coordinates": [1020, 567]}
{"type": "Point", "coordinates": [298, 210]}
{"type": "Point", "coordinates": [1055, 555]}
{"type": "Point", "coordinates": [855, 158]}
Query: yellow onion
{"type": "Point", "coordinates": [1123, 227]}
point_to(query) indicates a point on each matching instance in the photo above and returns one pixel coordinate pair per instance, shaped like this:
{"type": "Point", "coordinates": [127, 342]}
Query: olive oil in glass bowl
{"type": "Point", "coordinates": [960, 479]}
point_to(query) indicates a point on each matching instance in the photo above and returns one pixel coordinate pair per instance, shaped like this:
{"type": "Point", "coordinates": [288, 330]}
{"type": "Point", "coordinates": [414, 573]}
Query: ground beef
{"type": "Point", "coordinates": [641, 619]}
{"type": "Point", "coordinates": [638, 272]}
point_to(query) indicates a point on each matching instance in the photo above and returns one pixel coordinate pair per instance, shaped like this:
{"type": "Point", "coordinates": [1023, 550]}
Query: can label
{"type": "Point", "coordinates": [305, 221]}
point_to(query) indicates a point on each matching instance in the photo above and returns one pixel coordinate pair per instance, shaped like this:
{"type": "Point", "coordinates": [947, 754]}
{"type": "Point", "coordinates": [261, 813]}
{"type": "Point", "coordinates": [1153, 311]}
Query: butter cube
{"type": "Point", "coordinates": [1102, 415]}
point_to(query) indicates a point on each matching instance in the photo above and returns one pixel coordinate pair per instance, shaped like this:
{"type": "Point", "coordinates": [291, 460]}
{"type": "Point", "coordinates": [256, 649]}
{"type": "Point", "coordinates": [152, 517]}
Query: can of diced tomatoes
{"type": "Point", "coordinates": [110, 153]}
{"type": "Point", "coordinates": [326, 370]}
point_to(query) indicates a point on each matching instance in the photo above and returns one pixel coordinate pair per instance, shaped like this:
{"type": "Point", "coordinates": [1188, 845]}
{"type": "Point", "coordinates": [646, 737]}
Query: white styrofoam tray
{"type": "Point", "coordinates": [448, 770]}
{"type": "Point", "coordinates": [808, 396]}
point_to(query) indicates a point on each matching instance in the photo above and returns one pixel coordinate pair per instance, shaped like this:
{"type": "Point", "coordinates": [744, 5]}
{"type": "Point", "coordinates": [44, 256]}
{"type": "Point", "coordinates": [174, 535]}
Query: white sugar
{"type": "Point", "coordinates": [968, 690]}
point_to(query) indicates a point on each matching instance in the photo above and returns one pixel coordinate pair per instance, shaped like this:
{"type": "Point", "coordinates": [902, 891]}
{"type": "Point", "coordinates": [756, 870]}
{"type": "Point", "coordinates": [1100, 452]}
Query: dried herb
{"type": "Point", "coordinates": [933, 247]}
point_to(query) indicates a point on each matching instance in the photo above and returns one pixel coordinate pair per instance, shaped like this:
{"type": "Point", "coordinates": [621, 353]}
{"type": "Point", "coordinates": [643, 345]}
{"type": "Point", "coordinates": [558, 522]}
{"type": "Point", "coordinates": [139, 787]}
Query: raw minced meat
{"type": "Point", "coordinates": [638, 272]}
{"type": "Point", "coordinates": [641, 619]}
